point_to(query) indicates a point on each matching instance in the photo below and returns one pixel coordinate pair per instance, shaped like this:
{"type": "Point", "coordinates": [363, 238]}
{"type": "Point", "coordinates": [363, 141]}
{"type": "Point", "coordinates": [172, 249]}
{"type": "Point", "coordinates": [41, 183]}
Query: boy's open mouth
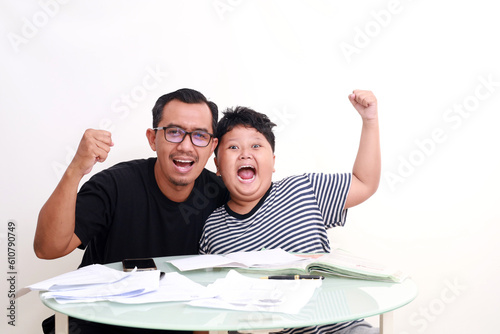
{"type": "Point", "coordinates": [246, 173]}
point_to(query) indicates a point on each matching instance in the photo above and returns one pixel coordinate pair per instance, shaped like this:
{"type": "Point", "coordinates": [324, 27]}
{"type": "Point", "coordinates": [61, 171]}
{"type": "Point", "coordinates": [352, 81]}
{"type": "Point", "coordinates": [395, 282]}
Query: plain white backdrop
{"type": "Point", "coordinates": [71, 65]}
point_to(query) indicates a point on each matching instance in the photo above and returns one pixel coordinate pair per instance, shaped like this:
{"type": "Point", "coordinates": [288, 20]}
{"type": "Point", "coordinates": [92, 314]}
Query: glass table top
{"type": "Point", "coordinates": [337, 300]}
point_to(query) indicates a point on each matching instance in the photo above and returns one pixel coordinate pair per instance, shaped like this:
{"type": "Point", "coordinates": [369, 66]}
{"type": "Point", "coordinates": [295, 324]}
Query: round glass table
{"type": "Point", "coordinates": [337, 300]}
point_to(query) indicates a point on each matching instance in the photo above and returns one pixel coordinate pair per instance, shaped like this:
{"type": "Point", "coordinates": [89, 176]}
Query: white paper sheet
{"type": "Point", "coordinates": [173, 287]}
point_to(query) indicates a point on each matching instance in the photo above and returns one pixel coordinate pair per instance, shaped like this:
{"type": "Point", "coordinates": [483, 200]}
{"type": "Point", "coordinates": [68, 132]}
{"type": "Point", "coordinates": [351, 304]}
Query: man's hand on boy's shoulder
{"type": "Point", "coordinates": [365, 102]}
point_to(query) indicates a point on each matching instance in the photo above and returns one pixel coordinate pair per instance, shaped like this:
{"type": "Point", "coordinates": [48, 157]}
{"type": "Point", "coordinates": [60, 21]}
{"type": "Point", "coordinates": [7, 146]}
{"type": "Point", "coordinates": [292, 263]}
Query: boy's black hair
{"type": "Point", "coordinates": [246, 117]}
{"type": "Point", "coordinates": [185, 95]}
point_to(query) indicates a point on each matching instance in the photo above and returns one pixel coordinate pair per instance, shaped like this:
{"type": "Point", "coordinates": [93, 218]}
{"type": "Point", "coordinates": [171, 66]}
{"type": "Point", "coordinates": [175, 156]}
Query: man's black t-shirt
{"type": "Point", "coordinates": [122, 213]}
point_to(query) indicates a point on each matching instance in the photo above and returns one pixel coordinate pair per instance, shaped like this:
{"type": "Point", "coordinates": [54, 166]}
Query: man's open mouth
{"type": "Point", "coordinates": [246, 173]}
{"type": "Point", "coordinates": [183, 163]}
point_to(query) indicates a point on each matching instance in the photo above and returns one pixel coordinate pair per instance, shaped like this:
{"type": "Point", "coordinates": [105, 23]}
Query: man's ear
{"type": "Point", "coordinates": [215, 141]}
{"type": "Point", "coordinates": [151, 135]}
{"type": "Point", "coordinates": [217, 166]}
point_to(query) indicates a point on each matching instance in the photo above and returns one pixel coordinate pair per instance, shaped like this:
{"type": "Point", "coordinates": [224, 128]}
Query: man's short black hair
{"type": "Point", "coordinates": [246, 117]}
{"type": "Point", "coordinates": [185, 95]}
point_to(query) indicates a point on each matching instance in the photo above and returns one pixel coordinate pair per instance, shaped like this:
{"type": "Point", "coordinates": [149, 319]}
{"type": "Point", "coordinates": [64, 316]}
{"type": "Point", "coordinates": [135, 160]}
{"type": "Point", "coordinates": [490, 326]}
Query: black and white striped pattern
{"type": "Point", "coordinates": [323, 329]}
{"type": "Point", "coordinates": [294, 216]}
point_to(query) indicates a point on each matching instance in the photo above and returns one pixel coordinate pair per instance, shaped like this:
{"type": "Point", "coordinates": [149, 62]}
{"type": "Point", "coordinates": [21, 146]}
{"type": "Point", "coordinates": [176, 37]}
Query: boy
{"type": "Point", "coordinates": [294, 213]}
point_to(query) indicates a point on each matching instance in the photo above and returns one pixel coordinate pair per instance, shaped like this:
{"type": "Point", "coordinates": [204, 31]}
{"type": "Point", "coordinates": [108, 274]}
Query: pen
{"type": "Point", "coordinates": [293, 277]}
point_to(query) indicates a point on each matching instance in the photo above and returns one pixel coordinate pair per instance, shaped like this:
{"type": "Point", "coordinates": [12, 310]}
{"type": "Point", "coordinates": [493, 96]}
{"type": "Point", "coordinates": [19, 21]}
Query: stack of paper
{"type": "Point", "coordinates": [97, 282]}
{"type": "Point", "coordinates": [238, 292]}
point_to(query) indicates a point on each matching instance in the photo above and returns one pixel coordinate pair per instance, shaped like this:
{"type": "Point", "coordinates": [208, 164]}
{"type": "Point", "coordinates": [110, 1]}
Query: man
{"type": "Point", "coordinates": [141, 208]}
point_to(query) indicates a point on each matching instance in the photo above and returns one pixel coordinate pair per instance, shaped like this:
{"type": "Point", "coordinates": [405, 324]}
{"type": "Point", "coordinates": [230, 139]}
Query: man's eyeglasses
{"type": "Point", "coordinates": [174, 134]}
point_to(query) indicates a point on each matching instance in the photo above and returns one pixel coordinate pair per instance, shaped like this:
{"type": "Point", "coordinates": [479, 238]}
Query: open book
{"type": "Point", "coordinates": [342, 263]}
{"type": "Point", "coordinates": [276, 261]}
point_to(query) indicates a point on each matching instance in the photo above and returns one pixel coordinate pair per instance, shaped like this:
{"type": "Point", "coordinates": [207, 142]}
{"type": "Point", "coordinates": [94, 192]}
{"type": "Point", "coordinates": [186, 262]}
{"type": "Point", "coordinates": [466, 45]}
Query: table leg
{"type": "Point", "coordinates": [387, 323]}
{"type": "Point", "coordinates": [62, 324]}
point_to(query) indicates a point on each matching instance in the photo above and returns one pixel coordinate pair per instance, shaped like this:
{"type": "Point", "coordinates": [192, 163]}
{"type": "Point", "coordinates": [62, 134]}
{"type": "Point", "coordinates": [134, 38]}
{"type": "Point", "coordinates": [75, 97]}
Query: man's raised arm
{"type": "Point", "coordinates": [367, 166]}
{"type": "Point", "coordinates": [55, 231]}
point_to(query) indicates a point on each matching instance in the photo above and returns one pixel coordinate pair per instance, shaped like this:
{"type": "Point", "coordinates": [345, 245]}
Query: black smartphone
{"type": "Point", "coordinates": [140, 264]}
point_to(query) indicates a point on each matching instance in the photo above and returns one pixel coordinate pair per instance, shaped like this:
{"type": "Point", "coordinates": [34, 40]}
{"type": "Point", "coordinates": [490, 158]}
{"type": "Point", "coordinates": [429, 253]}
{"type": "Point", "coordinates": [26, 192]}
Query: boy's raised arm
{"type": "Point", "coordinates": [55, 236]}
{"type": "Point", "coordinates": [367, 166]}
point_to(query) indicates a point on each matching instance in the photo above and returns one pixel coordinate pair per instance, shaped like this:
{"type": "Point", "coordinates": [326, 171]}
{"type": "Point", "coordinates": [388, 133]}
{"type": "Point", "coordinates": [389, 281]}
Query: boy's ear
{"type": "Point", "coordinates": [274, 161]}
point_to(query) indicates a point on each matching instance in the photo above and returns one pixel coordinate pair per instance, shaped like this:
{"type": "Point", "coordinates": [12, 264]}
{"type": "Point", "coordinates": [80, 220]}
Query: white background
{"type": "Point", "coordinates": [71, 65]}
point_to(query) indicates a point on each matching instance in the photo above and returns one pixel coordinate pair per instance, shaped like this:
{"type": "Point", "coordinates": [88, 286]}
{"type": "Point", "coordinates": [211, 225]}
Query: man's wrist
{"type": "Point", "coordinates": [73, 174]}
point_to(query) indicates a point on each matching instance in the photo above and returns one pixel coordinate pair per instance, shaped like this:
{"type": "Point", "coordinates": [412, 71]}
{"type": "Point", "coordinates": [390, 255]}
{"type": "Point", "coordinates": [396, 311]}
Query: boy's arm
{"type": "Point", "coordinates": [55, 236]}
{"type": "Point", "coordinates": [367, 166]}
